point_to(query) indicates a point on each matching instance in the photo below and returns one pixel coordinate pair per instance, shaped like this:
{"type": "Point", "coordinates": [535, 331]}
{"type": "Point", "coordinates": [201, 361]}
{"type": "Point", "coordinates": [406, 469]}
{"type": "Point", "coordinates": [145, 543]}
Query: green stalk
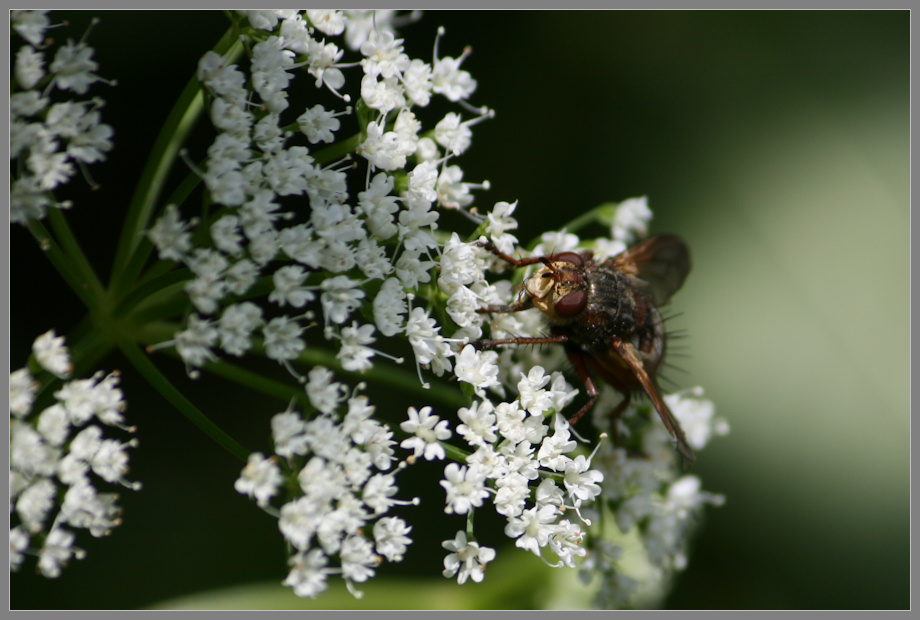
{"type": "Point", "coordinates": [401, 380]}
{"type": "Point", "coordinates": [178, 125]}
{"type": "Point", "coordinates": [70, 270]}
{"type": "Point", "coordinates": [152, 374]}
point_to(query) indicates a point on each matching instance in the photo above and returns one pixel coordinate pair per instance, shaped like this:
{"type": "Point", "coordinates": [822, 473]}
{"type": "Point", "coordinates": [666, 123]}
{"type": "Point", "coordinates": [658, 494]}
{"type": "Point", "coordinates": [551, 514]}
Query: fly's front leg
{"type": "Point", "coordinates": [489, 344]}
{"type": "Point", "coordinates": [517, 262]}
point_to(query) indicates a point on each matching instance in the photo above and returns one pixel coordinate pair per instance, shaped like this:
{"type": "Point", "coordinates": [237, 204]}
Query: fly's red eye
{"type": "Point", "coordinates": [571, 304]}
{"type": "Point", "coordinates": [570, 257]}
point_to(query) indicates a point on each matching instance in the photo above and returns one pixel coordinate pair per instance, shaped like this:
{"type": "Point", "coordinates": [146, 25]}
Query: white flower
{"type": "Point", "coordinates": [236, 325]}
{"type": "Point", "coordinates": [411, 270]}
{"type": "Point", "coordinates": [327, 21]}
{"type": "Point", "coordinates": [428, 430]}
{"type": "Point", "coordinates": [288, 434]}
{"type": "Point", "coordinates": [29, 70]}
{"type": "Point", "coordinates": [226, 235]}
{"type": "Point", "coordinates": [73, 68]}
{"type": "Point", "coordinates": [383, 55]}
{"type": "Point", "coordinates": [378, 492]}
{"type": "Point", "coordinates": [421, 193]}
{"type": "Point", "coordinates": [696, 416]}
{"type": "Point", "coordinates": [322, 61]}
{"type": "Point", "coordinates": [533, 528]}
{"type": "Point", "coordinates": [581, 482]}
{"type": "Point", "coordinates": [477, 368]}
{"type": "Point", "coordinates": [554, 448]}
{"type": "Point", "coordinates": [260, 479]}
{"type": "Point", "coordinates": [465, 487]}
{"type": "Point", "coordinates": [22, 392]}
{"type": "Point", "coordinates": [386, 150]}
{"type": "Point", "coordinates": [30, 25]}
{"type": "Point", "coordinates": [500, 222]}
{"type": "Point", "coordinates": [478, 426]}
{"type": "Point", "coordinates": [391, 538]}
{"type": "Point", "coordinates": [54, 424]}
{"type": "Point", "coordinates": [379, 206]}
{"type": "Point", "coordinates": [110, 461]}
{"type": "Point", "coordinates": [324, 393]}
{"type": "Point", "coordinates": [282, 338]}
{"type": "Point", "coordinates": [390, 307]}
{"type": "Point", "coordinates": [513, 491]}
{"type": "Point", "coordinates": [354, 354]}
{"type": "Point", "coordinates": [318, 124]}
{"type": "Point", "coordinates": [383, 95]}
{"type": "Point", "coordinates": [299, 521]}
{"type": "Point", "coordinates": [358, 559]}
{"type": "Point", "coordinates": [566, 543]}
{"type": "Point", "coordinates": [341, 295]}
{"type": "Point", "coordinates": [288, 287]}
{"type": "Point", "coordinates": [549, 493]}
{"type": "Point", "coordinates": [322, 482]}
{"type": "Point", "coordinates": [429, 346]}
{"type": "Point", "coordinates": [449, 80]}
{"type": "Point", "coordinates": [84, 398]}
{"type": "Point", "coordinates": [510, 419]}
{"type": "Point", "coordinates": [29, 453]}
{"type": "Point", "coordinates": [468, 560]}
{"type": "Point", "coordinates": [84, 508]}
{"type": "Point", "coordinates": [452, 134]}
{"type": "Point", "coordinates": [417, 82]}
{"type": "Point", "coordinates": [35, 503]}
{"type": "Point", "coordinates": [56, 552]}
{"type": "Point", "coordinates": [19, 542]}
{"type": "Point", "coordinates": [631, 220]}
{"type": "Point", "coordinates": [308, 573]}
{"type": "Point", "coordinates": [533, 397]}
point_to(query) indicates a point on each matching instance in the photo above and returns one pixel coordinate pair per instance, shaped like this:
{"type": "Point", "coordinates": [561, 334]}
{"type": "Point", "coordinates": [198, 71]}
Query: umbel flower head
{"type": "Point", "coordinates": [380, 256]}
{"type": "Point", "coordinates": [338, 238]}
{"type": "Point", "coordinates": [60, 460]}
{"type": "Point", "coordinates": [351, 269]}
{"type": "Point", "coordinates": [49, 139]}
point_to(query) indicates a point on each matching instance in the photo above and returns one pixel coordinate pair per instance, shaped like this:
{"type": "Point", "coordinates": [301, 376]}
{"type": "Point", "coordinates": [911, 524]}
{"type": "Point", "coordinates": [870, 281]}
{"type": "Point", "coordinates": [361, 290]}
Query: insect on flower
{"type": "Point", "coordinates": [606, 316]}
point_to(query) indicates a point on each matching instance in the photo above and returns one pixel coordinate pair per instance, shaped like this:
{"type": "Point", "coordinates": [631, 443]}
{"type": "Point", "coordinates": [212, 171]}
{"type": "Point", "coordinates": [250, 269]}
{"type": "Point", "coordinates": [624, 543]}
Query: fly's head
{"type": "Point", "coordinates": [559, 289]}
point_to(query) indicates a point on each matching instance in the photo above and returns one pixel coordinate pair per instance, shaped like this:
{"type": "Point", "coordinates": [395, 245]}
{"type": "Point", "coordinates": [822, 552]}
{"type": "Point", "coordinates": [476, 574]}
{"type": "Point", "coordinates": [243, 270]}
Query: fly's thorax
{"type": "Point", "coordinates": [559, 290]}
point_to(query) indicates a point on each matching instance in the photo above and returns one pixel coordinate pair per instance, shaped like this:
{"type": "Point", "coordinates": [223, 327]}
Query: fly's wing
{"type": "Point", "coordinates": [660, 263]}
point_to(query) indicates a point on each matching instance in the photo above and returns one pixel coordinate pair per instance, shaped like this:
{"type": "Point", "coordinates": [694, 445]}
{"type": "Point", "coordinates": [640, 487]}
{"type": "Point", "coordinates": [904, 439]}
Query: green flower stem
{"type": "Point", "coordinates": [152, 374]}
{"type": "Point", "coordinates": [454, 453]}
{"type": "Point", "coordinates": [338, 150]}
{"type": "Point", "coordinates": [88, 345]}
{"type": "Point", "coordinates": [402, 380]}
{"type": "Point", "coordinates": [178, 125]}
{"type": "Point", "coordinates": [241, 376]}
{"type": "Point", "coordinates": [399, 379]}
{"type": "Point", "coordinates": [596, 215]}
{"type": "Point", "coordinates": [76, 272]}
{"type": "Point", "coordinates": [152, 291]}
{"type": "Point", "coordinates": [74, 253]}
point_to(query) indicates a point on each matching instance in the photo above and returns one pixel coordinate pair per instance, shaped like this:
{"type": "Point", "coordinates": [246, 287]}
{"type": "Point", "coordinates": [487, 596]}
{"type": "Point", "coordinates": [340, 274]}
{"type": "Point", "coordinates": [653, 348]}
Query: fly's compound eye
{"type": "Point", "coordinates": [570, 257]}
{"type": "Point", "coordinates": [571, 304]}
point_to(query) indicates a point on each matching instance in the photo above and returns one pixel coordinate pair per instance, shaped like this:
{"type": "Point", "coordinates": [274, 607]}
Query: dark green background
{"type": "Point", "coordinates": [776, 143]}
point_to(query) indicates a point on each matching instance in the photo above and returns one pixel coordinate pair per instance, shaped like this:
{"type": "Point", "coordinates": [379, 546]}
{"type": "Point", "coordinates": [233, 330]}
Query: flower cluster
{"type": "Point", "coordinates": [288, 229]}
{"type": "Point", "coordinates": [342, 461]}
{"type": "Point", "coordinates": [643, 492]}
{"type": "Point", "coordinates": [321, 246]}
{"type": "Point", "coordinates": [48, 140]}
{"type": "Point", "coordinates": [340, 252]}
{"type": "Point", "coordinates": [58, 458]}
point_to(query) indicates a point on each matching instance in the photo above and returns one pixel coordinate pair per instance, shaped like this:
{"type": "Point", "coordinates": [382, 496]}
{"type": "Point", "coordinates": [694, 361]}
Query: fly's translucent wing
{"type": "Point", "coordinates": [660, 263]}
